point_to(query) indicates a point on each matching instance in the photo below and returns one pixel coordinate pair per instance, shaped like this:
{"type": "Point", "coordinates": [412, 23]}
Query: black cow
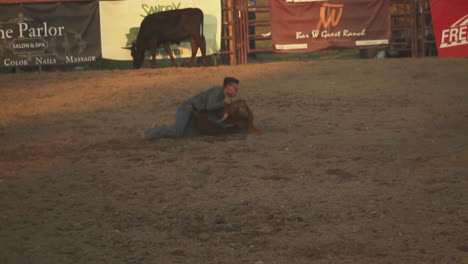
{"type": "Point", "coordinates": [169, 27]}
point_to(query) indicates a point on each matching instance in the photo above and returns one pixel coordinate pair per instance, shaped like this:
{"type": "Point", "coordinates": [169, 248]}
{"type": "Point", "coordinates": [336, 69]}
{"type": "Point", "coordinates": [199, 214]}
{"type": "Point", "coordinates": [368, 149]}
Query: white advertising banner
{"type": "Point", "coordinates": [120, 22]}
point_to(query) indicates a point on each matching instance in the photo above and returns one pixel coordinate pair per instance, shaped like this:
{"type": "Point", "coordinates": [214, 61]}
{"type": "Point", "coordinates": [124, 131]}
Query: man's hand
{"type": "Point", "coordinates": [228, 99]}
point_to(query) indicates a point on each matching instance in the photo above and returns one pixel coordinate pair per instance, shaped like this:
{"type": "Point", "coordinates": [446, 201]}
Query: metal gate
{"type": "Point", "coordinates": [426, 38]}
{"type": "Point", "coordinates": [412, 29]}
{"type": "Point", "coordinates": [239, 28]}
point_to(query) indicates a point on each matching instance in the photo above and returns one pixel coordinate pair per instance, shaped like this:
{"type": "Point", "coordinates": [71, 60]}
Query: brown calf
{"type": "Point", "coordinates": [237, 115]}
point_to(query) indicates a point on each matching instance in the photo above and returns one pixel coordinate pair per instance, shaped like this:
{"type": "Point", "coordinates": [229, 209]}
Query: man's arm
{"type": "Point", "coordinates": [216, 101]}
{"type": "Point", "coordinates": [214, 119]}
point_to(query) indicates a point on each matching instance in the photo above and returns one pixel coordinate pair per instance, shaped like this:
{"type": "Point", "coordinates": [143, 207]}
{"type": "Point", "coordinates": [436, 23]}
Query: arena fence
{"type": "Point", "coordinates": [246, 29]}
{"type": "Point", "coordinates": [412, 32]}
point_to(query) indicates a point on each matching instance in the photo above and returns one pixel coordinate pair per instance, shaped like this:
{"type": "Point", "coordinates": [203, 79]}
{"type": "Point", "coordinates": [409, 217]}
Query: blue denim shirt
{"type": "Point", "coordinates": [208, 100]}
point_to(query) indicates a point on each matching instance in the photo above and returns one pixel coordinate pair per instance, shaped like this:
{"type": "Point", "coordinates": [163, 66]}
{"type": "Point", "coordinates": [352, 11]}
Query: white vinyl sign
{"type": "Point", "coordinates": [120, 22]}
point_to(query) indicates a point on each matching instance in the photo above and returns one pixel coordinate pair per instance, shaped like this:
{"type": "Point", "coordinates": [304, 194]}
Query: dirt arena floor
{"type": "Point", "coordinates": [360, 161]}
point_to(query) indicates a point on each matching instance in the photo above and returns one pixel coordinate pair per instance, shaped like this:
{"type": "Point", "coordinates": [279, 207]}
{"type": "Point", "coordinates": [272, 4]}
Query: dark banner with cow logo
{"type": "Point", "coordinates": [49, 33]}
{"type": "Point", "coordinates": [450, 19]}
{"type": "Point", "coordinates": [311, 25]}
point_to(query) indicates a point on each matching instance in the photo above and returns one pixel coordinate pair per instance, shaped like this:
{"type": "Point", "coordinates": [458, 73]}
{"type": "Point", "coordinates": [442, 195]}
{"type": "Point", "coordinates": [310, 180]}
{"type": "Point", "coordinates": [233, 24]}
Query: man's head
{"type": "Point", "coordinates": [231, 86]}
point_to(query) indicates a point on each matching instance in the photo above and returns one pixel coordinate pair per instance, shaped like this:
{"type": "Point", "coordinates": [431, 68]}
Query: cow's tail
{"type": "Point", "coordinates": [201, 25]}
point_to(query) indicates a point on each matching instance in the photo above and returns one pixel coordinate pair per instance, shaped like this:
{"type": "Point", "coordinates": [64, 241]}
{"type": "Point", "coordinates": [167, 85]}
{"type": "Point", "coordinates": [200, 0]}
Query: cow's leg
{"type": "Point", "coordinates": [153, 59]}
{"type": "Point", "coordinates": [153, 47]}
{"type": "Point", "coordinates": [169, 52]}
{"type": "Point", "coordinates": [202, 45]}
{"type": "Point", "coordinates": [193, 45]}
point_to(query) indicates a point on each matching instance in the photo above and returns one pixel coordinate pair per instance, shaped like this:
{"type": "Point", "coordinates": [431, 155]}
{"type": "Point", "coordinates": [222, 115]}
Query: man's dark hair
{"type": "Point", "coordinates": [229, 80]}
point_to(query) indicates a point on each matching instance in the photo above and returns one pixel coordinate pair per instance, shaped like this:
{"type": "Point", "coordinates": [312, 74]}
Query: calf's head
{"type": "Point", "coordinates": [237, 115]}
{"type": "Point", "coordinates": [240, 116]}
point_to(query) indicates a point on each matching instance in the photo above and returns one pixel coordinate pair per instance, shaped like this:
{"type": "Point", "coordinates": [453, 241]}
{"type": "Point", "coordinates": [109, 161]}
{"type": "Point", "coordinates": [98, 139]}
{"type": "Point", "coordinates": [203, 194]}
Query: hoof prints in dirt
{"type": "Point", "coordinates": [113, 144]}
{"type": "Point", "coordinates": [240, 223]}
{"type": "Point", "coordinates": [342, 175]}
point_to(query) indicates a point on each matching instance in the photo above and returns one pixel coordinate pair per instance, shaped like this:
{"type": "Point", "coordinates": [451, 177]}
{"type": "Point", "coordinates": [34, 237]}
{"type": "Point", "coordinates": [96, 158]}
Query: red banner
{"type": "Point", "coordinates": [450, 19]}
{"type": "Point", "coordinates": [310, 25]}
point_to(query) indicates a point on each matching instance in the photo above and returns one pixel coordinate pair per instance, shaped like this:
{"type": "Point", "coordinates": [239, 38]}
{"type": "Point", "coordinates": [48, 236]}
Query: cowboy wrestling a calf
{"type": "Point", "coordinates": [210, 112]}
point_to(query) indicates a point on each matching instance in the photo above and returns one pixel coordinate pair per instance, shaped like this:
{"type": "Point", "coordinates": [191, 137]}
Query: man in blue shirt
{"type": "Point", "coordinates": [210, 100]}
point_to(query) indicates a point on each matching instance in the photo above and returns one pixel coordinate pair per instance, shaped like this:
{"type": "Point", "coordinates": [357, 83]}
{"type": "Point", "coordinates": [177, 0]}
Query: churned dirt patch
{"type": "Point", "coordinates": [360, 161]}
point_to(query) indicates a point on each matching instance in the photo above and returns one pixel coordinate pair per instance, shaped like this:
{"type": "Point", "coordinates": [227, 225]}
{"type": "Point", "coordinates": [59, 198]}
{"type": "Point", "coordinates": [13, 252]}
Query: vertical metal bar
{"type": "Point", "coordinates": [236, 29]}
{"type": "Point", "coordinates": [245, 11]}
{"type": "Point", "coordinates": [226, 34]}
{"type": "Point", "coordinates": [422, 28]}
{"type": "Point", "coordinates": [238, 35]}
{"type": "Point", "coordinates": [425, 10]}
{"type": "Point", "coordinates": [231, 29]}
{"type": "Point", "coordinates": [243, 36]}
{"type": "Point", "coordinates": [414, 29]}
{"type": "Point", "coordinates": [240, 47]}
{"type": "Point", "coordinates": [215, 60]}
{"type": "Point", "coordinates": [240, 42]}
{"type": "Point", "coordinates": [427, 45]}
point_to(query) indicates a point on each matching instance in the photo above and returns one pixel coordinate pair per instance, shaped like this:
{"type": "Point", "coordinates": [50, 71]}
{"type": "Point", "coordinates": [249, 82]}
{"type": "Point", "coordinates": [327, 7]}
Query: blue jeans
{"type": "Point", "coordinates": [182, 126]}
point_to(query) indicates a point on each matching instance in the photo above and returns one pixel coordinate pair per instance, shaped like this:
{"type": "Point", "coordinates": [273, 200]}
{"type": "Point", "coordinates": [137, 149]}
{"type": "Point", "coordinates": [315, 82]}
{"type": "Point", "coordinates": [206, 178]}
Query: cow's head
{"type": "Point", "coordinates": [138, 55]}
